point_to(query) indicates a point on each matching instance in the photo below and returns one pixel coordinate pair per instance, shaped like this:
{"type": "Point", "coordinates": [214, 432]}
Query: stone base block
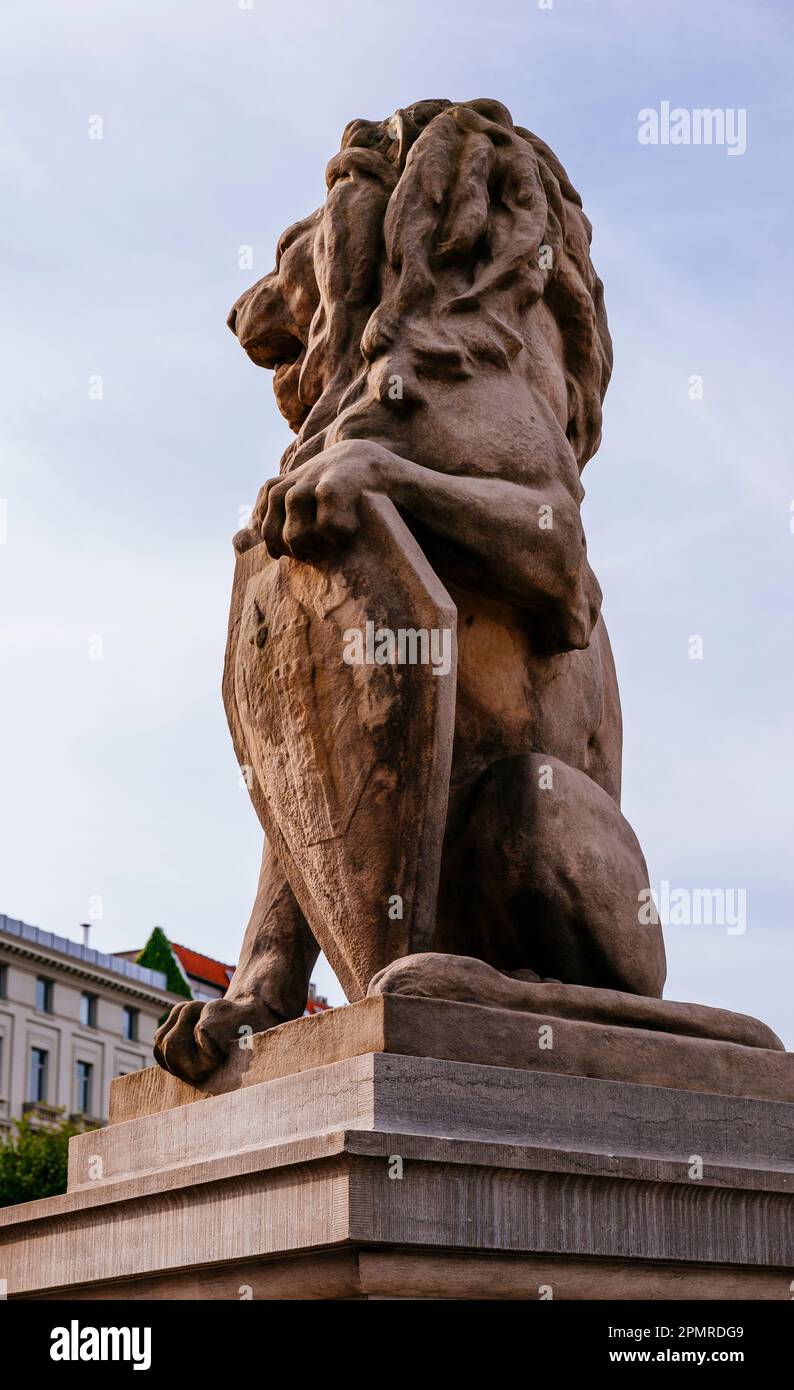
{"type": "Point", "coordinates": [382, 1174]}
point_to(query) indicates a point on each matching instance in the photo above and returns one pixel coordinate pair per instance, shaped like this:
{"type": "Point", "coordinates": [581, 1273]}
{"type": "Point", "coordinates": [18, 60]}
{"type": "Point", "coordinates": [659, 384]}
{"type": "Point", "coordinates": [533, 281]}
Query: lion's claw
{"type": "Point", "coordinates": [197, 1037]}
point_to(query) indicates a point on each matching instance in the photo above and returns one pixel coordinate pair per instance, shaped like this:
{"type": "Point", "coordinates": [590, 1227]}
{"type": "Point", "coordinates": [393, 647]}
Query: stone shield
{"type": "Point", "coordinates": [342, 710]}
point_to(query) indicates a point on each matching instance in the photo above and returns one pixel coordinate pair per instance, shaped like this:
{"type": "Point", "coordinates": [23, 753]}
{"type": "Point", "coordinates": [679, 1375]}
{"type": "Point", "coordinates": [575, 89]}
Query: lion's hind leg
{"type": "Point", "coordinates": [548, 879]}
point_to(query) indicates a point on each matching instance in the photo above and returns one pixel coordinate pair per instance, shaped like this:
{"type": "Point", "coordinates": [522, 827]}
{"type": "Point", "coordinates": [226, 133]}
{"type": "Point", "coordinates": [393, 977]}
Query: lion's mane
{"type": "Point", "coordinates": [442, 226]}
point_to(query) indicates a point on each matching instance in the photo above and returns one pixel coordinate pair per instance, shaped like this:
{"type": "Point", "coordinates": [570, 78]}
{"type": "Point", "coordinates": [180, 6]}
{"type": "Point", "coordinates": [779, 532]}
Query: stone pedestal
{"type": "Point", "coordinates": [406, 1148]}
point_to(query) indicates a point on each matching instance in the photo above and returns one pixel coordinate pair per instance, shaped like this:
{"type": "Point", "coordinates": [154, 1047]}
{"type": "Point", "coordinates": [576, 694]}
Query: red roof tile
{"type": "Point", "coordinates": [214, 972]}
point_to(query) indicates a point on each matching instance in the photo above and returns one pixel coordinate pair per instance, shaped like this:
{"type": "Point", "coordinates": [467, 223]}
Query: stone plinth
{"type": "Point", "coordinates": [405, 1148]}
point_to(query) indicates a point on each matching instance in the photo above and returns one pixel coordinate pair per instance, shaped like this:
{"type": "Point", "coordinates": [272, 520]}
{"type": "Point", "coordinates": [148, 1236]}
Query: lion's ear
{"type": "Point", "coordinates": [461, 234]}
{"type": "Point", "coordinates": [492, 111]}
{"type": "Point", "coordinates": [466, 220]}
{"type": "Point", "coordinates": [474, 186]}
{"type": "Point", "coordinates": [403, 132]}
{"type": "Point", "coordinates": [517, 213]}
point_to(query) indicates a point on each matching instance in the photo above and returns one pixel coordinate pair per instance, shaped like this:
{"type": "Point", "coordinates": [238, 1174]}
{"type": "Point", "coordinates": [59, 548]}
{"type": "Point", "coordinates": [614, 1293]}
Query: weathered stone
{"type": "Point", "coordinates": [445, 402]}
{"type": "Point", "coordinates": [513, 1109]}
{"type": "Point", "coordinates": [389, 1175]}
{"type": "Point", "coordinates": [399, 1024]}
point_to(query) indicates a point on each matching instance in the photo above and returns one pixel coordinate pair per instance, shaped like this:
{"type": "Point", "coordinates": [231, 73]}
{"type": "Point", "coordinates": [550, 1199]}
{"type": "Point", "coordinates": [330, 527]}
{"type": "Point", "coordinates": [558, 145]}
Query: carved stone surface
{"type": "Point", "coordinates": [420, 690]}
{"type": "Point", "coordinates": [356, 759]}
{"type": "Point", "coordinates": [524, 1038]}
{"type": "Point", "coordinates": [384, 1174]}
{"type": "Point", "coordinates": [418, 679]}
{"type": "Point", "coordinates": [366, 1272]}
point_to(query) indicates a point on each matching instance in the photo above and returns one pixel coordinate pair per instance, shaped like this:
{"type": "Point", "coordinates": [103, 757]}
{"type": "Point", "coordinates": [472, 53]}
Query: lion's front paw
{"type": "Point", "coordinates": [316, 505]}
{"type": "Point", "coordinates": [196, 1037]}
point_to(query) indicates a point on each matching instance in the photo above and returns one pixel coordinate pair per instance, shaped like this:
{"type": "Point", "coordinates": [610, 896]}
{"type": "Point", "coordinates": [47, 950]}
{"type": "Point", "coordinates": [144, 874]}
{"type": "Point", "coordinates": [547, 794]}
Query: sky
{"type": "Point", "coordinates": [120, 800]}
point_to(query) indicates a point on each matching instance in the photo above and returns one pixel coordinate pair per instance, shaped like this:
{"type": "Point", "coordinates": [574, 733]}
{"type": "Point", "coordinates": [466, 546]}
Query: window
{"type": "Point", "coordinates": [3, 981]}
{"type": "Point", "coordinates": [129, 1024]}
{"type": "Point", "coordinates": [129, 1068]}
{"type": "Point", "coordinates": [39, 1060]}
{"type": "Point", "coordinates": [85, 1072]}
{"type": "Point", "coordinates": [44, 995]}
{"type": "Point", "coordinates": [88, 1010]}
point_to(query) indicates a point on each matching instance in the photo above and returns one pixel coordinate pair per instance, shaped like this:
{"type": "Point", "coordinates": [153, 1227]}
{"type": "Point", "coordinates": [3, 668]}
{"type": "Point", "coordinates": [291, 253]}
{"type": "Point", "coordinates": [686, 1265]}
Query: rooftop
{"type": "Point", "coordinates": [202, 967]}
{"type": "Point", "coordinates": [48, 941]}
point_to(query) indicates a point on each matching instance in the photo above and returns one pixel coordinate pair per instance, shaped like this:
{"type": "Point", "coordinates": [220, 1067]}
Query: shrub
{"type": "Point", "coordinates": [33, 1160]}
{"type": "Point", "coordinates": [158, 955]}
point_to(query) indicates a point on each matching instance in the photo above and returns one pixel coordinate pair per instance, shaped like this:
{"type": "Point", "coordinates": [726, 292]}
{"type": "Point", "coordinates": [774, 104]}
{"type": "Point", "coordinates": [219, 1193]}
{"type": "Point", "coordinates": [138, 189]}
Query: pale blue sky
{"type": "Point", "coordinates": [120, 258]}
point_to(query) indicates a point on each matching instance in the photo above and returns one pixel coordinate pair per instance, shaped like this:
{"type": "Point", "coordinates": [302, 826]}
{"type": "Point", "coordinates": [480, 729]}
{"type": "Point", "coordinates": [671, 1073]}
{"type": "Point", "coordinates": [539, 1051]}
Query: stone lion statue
{"type": "Point", "coordinates": [440, 349]}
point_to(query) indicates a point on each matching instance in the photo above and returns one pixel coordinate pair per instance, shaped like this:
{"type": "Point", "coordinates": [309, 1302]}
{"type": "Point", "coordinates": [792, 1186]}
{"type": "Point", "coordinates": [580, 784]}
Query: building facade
{"type": "Point", "coordinates": [71, 1019]}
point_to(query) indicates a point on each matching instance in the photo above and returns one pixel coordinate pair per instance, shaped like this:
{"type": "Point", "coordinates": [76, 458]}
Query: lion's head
{"type": "Point", "coordinates": [451, 245]}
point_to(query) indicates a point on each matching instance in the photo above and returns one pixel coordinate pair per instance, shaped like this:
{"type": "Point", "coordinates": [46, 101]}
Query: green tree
{"type": "Point", "coordinates": [33, 1160]}
{"type": "Point", "coordinates": [157, 954]}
